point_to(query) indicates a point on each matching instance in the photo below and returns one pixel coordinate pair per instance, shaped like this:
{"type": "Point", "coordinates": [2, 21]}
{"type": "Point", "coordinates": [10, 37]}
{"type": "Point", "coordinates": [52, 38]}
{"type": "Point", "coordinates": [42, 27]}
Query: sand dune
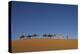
{"type": "Point", "coordinates": [42, 44]}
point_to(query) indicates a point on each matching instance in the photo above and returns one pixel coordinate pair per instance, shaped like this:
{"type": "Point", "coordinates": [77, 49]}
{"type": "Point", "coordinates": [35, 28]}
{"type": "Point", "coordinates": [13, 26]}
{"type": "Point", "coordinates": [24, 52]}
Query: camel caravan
{"type": "Point", "coordinates": [50, 36]}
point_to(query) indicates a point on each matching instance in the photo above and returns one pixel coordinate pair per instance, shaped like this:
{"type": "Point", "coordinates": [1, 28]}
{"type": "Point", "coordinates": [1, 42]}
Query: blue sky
{"type": "Point", "coordinates": [43, 18]}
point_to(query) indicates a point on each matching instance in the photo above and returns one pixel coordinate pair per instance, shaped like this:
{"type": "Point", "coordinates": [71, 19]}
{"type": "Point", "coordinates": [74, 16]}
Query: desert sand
{"type": "Point", "coordinates": [29, 45]}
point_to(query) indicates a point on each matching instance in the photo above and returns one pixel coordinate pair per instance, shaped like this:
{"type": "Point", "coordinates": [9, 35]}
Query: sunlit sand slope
{"type": "Point", "coordinates": [42, 44]}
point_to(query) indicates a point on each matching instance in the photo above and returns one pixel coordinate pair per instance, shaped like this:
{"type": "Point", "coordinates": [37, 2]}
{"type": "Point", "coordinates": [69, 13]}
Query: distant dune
{"type": "Point", "coordinates": [29, 45]}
